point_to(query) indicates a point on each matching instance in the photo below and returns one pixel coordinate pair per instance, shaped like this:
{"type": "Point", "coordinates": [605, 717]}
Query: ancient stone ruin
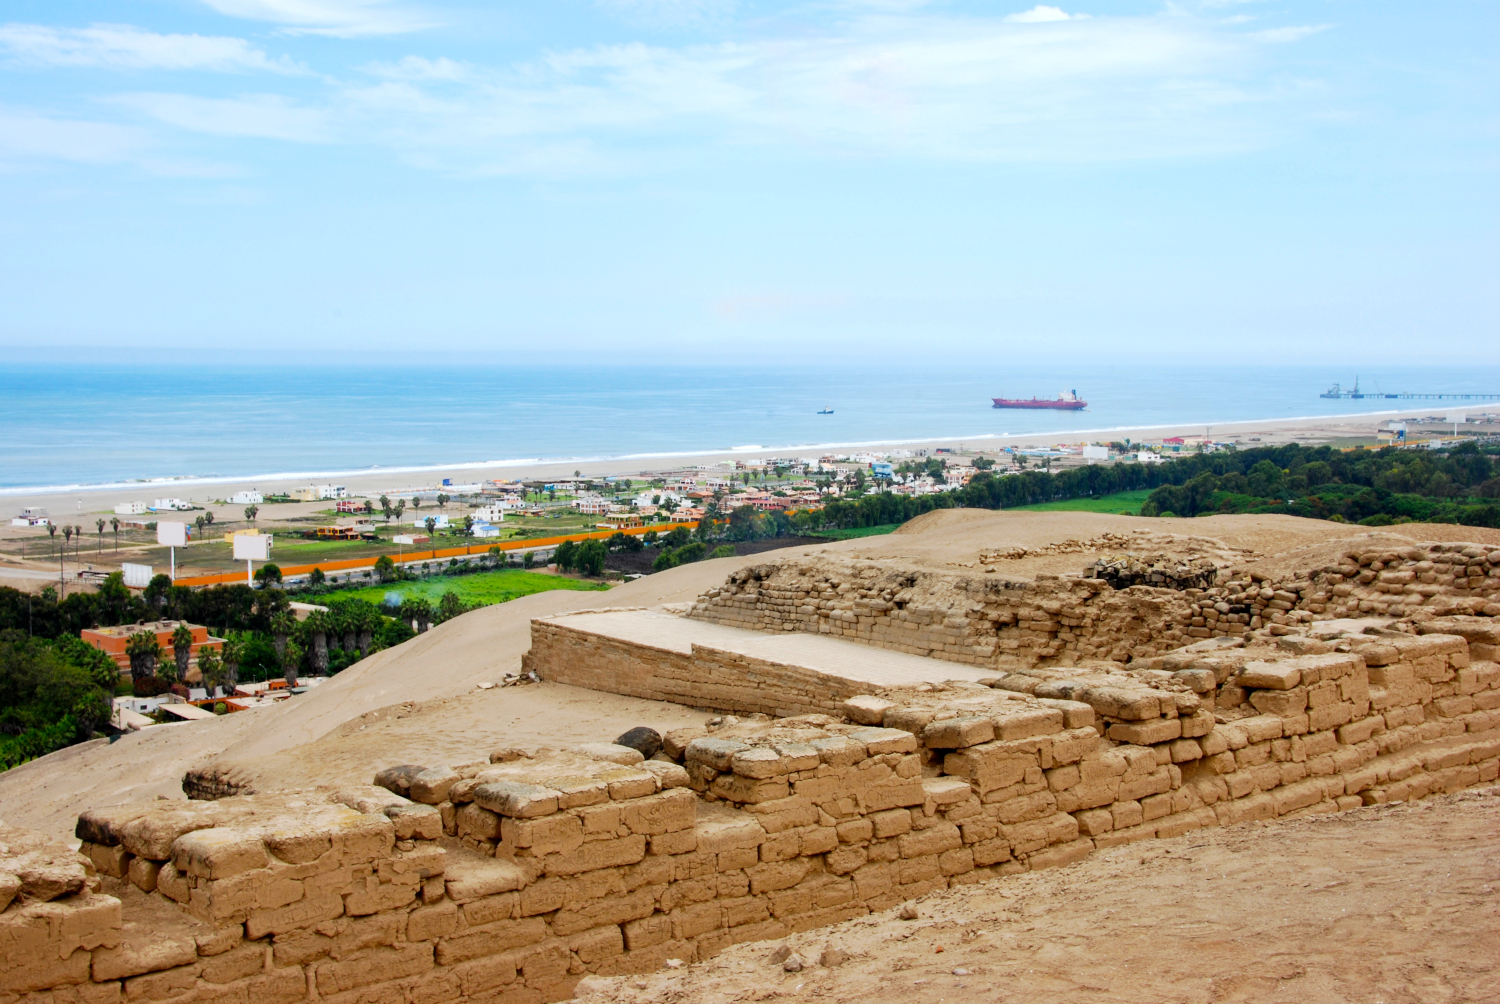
{"type": "Point", "coordinates": [881, 733]}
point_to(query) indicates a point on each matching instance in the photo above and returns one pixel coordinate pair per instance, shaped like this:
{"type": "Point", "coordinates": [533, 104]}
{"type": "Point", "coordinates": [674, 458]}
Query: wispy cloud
{"type": "Point", "coordinates": [1041, 14]}
{"type": "Point", "coordinates": [258, 116]}
{"type": "Point", "coordinates": [27, 134]}
{"type": "Point", "coordinates": [118, 46]}
{"type": "Point", "coordinates": [668, 13]}
{"type": "Point", "coordinates": [336, 18]}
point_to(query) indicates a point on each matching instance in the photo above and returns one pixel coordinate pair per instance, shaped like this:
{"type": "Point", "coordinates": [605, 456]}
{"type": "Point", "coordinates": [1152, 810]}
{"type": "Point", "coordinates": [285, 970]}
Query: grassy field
{"type": "Point", "coordinates": [858, 531]}
{"type": "Point", "coordinates": [1125, 503]}
{"type": "Point", "coordinates": [481, 588]}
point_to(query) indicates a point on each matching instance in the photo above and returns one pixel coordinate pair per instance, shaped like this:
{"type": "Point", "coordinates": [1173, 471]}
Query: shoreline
{"type": "Point", "coordinates": [522, 468]}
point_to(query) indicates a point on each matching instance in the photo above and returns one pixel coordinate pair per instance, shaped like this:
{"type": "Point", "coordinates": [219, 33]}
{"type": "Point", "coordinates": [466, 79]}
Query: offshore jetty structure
{"type": "Point", "coordinates": [1356, 394]}
{"type": "Point", "coordinates": [911, 729]}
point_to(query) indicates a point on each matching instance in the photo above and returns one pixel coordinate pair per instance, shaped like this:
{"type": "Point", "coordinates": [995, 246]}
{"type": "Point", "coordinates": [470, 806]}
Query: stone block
{"type": "Point", "coordinates": [958, 733]}
{"type": "Point", "coordinates": [878, 741]}
{"type": "Point", "coordinates": [470, 877]}
{"type": "Point", "coordinates": [516, 799]}
{"type": "Point", "coordinates": [431, 786]}
{"type": "Point", "coordinates": [866, 710]}
{"type": "Point", "coordinates": [1145, 733]}
{"type": "Point", "coordinates": [1270, 675]}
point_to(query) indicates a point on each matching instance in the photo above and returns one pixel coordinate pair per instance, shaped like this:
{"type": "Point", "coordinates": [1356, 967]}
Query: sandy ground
{"type": "Point", "coordinates": [429, 709]}
{"type": "Point", "coordinates": [1395, 904]}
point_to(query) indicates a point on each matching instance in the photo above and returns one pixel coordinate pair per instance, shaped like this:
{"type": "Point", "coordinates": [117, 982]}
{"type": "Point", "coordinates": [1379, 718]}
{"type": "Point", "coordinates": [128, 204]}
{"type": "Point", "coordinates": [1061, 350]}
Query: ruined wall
{"type": "Point", "coordinates": [706, 678]}
{"type": "Point", "coordinates": [508, 881]}
{"type": "Point", "coordinates": [985, 620]}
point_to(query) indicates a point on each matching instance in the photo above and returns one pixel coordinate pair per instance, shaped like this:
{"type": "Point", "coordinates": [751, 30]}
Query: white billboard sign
{"type": "Point", "coordinates": [252, 547]}
{"type": "Point", "coordinates": [136, 576]}
{"type": "Point", "coordinates": [171, 534]}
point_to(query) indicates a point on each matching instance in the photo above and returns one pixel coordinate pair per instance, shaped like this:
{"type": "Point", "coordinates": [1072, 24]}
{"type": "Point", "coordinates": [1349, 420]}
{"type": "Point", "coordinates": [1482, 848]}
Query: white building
{"type": "Point", "coordinates": [130, 508]}
{"type": "Point", "coordinates": [332, 492]}
{"type": "Point", "coordinates": [593, 505]}
{"type": "Point", "coordinates": [1092, 453]}
{"type": "Point", "coordinates": [246, 498]}
{"type": "Point", "coordinates": [483, 529]}
{"type": "Point", "coordinates": [490, 514]}
{"type": "Point", "coordinates": [439, 520]}
{"type": "Point", "coordinates": [169, 505]}
{"type": "Point", "coordinates": [1147, 457]}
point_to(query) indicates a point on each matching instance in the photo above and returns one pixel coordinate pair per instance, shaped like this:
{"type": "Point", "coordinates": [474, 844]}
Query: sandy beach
{"type": "Point", "coordinates": [94, 500]}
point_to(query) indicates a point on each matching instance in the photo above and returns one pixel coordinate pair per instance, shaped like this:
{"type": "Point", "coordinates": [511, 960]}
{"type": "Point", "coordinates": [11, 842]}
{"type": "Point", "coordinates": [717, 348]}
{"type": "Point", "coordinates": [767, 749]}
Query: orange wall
{"type": "Point", "coordinates": [351, 564]}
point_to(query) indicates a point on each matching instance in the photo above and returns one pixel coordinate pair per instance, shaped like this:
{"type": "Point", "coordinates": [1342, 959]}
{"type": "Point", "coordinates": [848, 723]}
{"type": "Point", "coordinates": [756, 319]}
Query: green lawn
{"type": "Point", "coordinates": [858, 531]}
{"type": "Point", "coordinates": [481, 588]}
{"type": "Point", "coordinates": [1125, 503]}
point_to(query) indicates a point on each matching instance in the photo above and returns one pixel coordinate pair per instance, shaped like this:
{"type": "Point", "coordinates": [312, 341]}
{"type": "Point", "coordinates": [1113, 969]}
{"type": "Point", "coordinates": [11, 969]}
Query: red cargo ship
{"type": "Point", "coordinates": [1065, 401]}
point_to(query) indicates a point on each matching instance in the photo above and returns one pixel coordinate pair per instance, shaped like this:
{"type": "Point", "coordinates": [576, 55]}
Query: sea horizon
{"type": "Point", "coordinates": [196, 426]}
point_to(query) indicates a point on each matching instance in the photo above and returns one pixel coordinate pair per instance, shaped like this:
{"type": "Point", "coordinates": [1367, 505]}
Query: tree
{"type": "Point", "coordinates": [628, 542]}
{"type": "Point", "coordinates": [316, 578]}
{"type": "Point", "coordinates": [368, 619]}
{"type": "Point", "coordinates": [143, 650]}
{"type": "Point", "coordinates": [315, 629]}
{"type": "Point", "coordinates": [100, 524]}
{"type": "Point", "coordinates": [210, 668]}
{"type": "Point", "coordinates": [291, 658]}
{"type": "Point", "coordinates": [590, 557]}
{"type": "Point", "coordinates": [208, 517]}
{"type": "Point", "coordinates": [369, 508]}
{"type": "Point", "coordinates": [442, 501]}
{"type": "Point", "coordinates": [67, 536]}
{"type": "Point", "coordinates": [282, 626]}
{"type": "Point", "coordinates": [385, 507]}
{"type": "Point", "coordinates": [449, 607]}
{"type": "Point", "coordinates": [431, 523]}
{"type": "Point", "coordinates": [114, 523]}
{"type": "Point", "coordinates": [528, 559]}
{"type": "Point", "coordinates": [268, 574]}
{"type": "Point", "coordinates": [234, 651]}
{"type": "Point", "coordinates": [564, 556]}
{"type": "Point", "coordinates": [400, 508]}
{"type": "Point", "coordinates": [199, 523]}
{"type": "Point", "coordinates": [418, 610]}
{"type": "Point", "coordinates": [385, 568]}
{"type": "Point", "coordinates": [182, 649]}
{"type": "Point", "coordinates": [52, 536]}
{"type": "Point", "coordinates": [155, 593]}
{"type": "Point", "coordinates": [251, 511]}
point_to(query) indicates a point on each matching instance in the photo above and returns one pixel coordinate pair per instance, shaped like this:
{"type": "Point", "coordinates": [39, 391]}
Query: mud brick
{"type": "Point", "coordinates": [1145, 733]}
{"type": "Point", "coordinates": [958, 733]}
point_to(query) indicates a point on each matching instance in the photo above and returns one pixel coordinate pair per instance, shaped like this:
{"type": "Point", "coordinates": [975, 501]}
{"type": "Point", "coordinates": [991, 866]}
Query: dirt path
{"type": "Point", "coordinates": [1395, 903]}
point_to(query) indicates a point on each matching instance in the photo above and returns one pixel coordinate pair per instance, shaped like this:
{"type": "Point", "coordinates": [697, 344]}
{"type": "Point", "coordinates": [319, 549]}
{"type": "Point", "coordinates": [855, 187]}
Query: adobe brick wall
{"type": "Point", "coordinates": [986, 620]}
{"type": "Point", "coordinates": [508, 881]}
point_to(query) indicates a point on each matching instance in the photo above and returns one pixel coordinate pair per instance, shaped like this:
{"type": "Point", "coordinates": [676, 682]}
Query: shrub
{"type": "Point", "coordinates": [723, 551]}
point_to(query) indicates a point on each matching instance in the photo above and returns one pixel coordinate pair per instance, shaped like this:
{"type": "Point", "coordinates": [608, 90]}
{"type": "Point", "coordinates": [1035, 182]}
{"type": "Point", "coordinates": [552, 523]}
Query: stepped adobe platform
{"type": "Point", "coordinates": [956, 730]}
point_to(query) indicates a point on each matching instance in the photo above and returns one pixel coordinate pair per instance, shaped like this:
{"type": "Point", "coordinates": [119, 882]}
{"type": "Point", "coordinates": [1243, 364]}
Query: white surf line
{"type": "Point", "coordinates": [475, 465]}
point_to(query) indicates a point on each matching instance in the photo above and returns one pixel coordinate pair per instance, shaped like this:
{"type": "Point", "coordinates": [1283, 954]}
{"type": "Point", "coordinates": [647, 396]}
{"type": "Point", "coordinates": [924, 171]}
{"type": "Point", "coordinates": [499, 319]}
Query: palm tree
{"type": "Point", "coordinates": [431, 522]}
{"type": "Point", "coordinates": [182, 649]}
{"type": "Point", "coordinates": [416, 504]}
{"type": "Point", "coordinates": [369, 620]}
{"type": "Point", "coordinates": [208, 517]}
{"type": "Point", "coordinates": [400, 508]}
{"type": "Point", "coordinates": [210, 668]}
{"type": "Point", "coordinates": [143, 650]}
{"type": "Point", "coordinates": [100, 524]}
{"type": "Point", "coordinates": [316, 628]}
{"type": "Point", "coordinates": [282, 625]}
{"type": "Point", "coordinates": [114, 524]}
{"type": "Point", "coordinates": [385, 507]}
{"type": "Point", "coordinates": [251, 511]}
{"type": "Point", "coordinates": [291, 658]}
{"type": "Point", "coordinates": [52, 536]}
{"type": "Point", "coordinates": [234, 651]}
{"type": "Point", "coordinates": [442, 501]}
{"type": "Point", "coordinates": [199, 524]}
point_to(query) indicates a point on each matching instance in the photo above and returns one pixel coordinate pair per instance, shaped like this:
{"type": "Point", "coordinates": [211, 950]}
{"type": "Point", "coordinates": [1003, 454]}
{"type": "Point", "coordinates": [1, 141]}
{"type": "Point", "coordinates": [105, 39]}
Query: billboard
{"type": "Point", "coordinates": [252, 547]}
{"type": "Point", "coordinates": [136, 576]}
{"type": "Point", "coordinates": [171, 534]}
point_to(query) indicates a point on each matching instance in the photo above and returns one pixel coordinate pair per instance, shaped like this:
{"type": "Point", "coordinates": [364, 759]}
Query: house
{"type": "Point", "coordinates": [112, 640]}
{"type": "Point", "coordinates": [622, 521]}
{"type": "Point", "coordinates": [439, 520]}
{"type": "Point", "coordinates": [687, 514]}
{"type": "Point", "coordinates": [250, 497]}
{"type": "Point", "coordinates": [349, 505]}
{"type": "Point", "coordinates": [169, 505]}
{"type": "Point", "coordinates": [130, 508]}
{"type": "Point", "coordinates": [490, 514]}
{"type": "Point", "coordinates": [592, 505]}
{"type": "Point", "coordinates": [482, 529]}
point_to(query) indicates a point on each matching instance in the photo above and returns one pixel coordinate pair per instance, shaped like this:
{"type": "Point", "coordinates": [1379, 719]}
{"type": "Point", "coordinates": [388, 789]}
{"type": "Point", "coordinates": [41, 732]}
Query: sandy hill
{"type": "Point", "coordinates": [419, 702]}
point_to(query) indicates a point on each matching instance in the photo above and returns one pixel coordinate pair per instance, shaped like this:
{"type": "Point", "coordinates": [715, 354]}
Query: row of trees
{"type": "Point", "coordinates": [52, 694]}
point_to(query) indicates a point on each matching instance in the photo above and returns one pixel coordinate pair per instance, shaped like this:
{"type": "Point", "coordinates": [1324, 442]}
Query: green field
{"type": "Point", "coordinates": [480, 588]}
{"type": "Point", "coordinates": [1125, 503]}
{"type": "Point", "coordinates": [858, 531]}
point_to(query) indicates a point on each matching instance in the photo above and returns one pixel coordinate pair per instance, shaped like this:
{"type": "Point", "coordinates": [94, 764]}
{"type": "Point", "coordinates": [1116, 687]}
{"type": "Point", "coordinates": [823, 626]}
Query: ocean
{"type": "Point", "coordinates": [75, 427]}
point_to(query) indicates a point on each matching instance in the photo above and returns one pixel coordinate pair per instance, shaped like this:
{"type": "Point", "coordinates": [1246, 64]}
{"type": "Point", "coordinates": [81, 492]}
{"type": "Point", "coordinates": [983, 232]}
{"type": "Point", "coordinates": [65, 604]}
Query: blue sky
{"type": "Point", "coordinates": [739, 180]}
